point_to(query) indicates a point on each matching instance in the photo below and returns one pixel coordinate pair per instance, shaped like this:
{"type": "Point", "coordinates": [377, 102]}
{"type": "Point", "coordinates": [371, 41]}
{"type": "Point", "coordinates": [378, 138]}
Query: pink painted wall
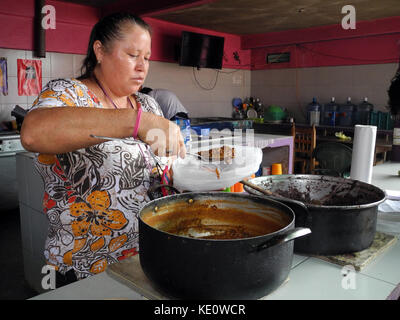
{"type": "Point", "coordinates": [73, 25]}
{"type": "Point", "coordinates": [16, 24]}
{"type": "Point", "coordinates": [372, 42]}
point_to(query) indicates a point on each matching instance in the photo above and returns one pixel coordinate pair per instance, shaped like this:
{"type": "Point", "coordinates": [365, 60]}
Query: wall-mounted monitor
{"type": "Point", "coordinates": [201, 50]}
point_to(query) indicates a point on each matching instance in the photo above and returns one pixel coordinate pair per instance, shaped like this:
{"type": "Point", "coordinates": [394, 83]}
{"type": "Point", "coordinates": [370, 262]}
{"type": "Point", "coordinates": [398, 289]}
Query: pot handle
{"type": "Point", "coordinates": [155, 187]}
{"type": "Point", "coordinates": [302, 215]}
{"type": "Point", "coordinates": [284, 237]}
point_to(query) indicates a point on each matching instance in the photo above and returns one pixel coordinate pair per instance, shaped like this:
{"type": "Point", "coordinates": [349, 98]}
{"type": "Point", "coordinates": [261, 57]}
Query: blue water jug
{"type": "Point", "coordinates": [313, 112]}
{"type": "Point", "coordinates": [330, 113]}
{"type": "Point", "coordinates": [346, 114]}
{"type": "Point", "coordinates": [362, 112]}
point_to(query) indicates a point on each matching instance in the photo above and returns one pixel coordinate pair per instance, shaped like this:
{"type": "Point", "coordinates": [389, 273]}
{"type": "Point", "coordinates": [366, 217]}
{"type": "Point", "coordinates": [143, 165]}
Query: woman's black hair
{"type": "Point", "coordinates": [145, 90]}
{"type": "Point", "coordinates": [394, 94]}
{"type": "Point", "coordinates": [106, 30]}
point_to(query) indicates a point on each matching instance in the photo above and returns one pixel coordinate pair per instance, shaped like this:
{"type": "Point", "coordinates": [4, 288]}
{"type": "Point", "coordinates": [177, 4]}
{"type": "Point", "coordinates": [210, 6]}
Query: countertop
{"type": "Point", "coordinates": [247, 137]}
{"type": "Point", "coordinates": [310, 278]}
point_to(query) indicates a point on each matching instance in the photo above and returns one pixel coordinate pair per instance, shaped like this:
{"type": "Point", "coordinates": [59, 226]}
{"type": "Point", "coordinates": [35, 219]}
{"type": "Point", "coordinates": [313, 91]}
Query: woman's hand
{"type": "Point", "coordinates": [163, 136]}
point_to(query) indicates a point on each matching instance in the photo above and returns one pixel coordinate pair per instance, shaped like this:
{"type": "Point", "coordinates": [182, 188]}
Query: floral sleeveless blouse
{"type": "Point", "coordinates": [93, 196]}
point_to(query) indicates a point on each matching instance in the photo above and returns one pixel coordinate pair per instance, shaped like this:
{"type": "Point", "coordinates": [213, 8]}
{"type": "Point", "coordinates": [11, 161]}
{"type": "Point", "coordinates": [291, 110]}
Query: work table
{"type": "Point", "coordinates": [310, 277]}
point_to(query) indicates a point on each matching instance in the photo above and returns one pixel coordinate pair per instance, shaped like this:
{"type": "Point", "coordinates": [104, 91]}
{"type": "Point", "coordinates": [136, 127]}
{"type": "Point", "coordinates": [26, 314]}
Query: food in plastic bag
{"type": "Point", "coordinates": [224, 153]}
{"type": "Point", "coordinates": [192, 174]}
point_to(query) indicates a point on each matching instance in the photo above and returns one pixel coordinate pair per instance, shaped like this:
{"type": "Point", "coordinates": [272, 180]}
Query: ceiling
{"type": "Point", "coordinates": [253, 16]}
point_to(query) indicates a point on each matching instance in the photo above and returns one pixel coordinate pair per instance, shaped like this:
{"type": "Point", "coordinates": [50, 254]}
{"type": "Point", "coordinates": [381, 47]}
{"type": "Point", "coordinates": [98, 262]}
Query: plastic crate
{"type": "Point", "coordinates": [381, 119]}
{"type": "Point", "coordinates": [384, 120]}
{"type": "Point", "coordinates": [373, 118]}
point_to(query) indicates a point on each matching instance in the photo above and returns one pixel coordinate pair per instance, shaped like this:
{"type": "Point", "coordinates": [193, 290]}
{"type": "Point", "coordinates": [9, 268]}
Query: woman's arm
{"type": "Point", "coordinates": [65, 129]}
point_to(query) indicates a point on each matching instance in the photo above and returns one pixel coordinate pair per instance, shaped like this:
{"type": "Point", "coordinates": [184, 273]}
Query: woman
{"type": "Point", "coordinates": [169, 103]}
{"type": "Point", "coordinates": [94, 188]}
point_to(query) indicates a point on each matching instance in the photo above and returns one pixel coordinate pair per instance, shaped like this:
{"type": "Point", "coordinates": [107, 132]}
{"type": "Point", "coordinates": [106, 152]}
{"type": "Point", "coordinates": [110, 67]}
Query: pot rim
{"type": "Point", "coordinates": [228, 195]}
{"type": "Point", "coordinates": [322, 178]}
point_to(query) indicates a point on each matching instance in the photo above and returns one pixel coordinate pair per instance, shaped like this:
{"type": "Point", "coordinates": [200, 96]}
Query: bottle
{"type": "Point", "coordinates": [313, 112]}
{"type": "Point", "coordinates": [395, 154]}
{"type": "Point", "coordinates": [184, 125]}
{"type": "Point", "coordinates": [330, 112]}
{"type": "Point", "coordinates": [346, 113]}
{"type": "Point", "coordinates": [362, 112]}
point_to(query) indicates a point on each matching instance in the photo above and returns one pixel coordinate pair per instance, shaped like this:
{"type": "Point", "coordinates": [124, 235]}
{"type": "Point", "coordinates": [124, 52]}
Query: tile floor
{"type": "Point", "coordinates": [12, 284]}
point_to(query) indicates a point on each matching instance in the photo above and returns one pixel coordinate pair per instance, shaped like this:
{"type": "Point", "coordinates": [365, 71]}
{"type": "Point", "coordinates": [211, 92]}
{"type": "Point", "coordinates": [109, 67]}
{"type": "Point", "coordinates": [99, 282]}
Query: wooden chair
{"type": "Point", "coordinates": [305, 141]}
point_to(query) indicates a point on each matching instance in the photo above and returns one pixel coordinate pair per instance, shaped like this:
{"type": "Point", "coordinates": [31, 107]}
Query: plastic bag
{"type": "Point", "coordinates": [192, 174]}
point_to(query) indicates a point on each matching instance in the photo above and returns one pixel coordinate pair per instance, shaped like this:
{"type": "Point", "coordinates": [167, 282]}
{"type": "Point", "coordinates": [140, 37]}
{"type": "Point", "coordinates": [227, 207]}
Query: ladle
{"type": "Point", "coordinates": [285, 200]}
{"type": "Point", "coordinates": [259, 189]}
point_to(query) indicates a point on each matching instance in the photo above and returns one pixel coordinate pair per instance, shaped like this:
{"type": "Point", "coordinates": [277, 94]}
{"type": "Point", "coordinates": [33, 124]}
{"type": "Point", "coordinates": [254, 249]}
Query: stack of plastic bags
{"type": "Point", "coordinates": [389, 214]}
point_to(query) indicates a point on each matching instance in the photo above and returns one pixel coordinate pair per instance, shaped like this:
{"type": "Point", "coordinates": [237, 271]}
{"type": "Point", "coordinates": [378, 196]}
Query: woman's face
{"type": "Point", "coordinates": [125, 64]}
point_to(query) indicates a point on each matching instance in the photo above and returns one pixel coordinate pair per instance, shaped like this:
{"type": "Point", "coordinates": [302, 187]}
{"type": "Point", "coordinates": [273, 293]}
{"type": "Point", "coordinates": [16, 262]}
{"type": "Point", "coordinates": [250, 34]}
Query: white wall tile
{"type": "Point", "coordinates": [5, 111]}
{"type": "Point", "coordinates": [291, 88]}
{"type": "Point", "coordinates": [198, 101]}
{"type": "Point", "coordinates": [357, 82]}
{"type": "Point", "coordinates": [306, 76]}
{"type": "Point", "coordinates": [62, 65]}
{"type": "Point", "coordinates": [12, 56]}
{"type": "Point", "coordinates": [77, 60]}
{"type": "Point", "coordinates": [13, 96]}
{"type": "Point", "coordinates": [54, 65]}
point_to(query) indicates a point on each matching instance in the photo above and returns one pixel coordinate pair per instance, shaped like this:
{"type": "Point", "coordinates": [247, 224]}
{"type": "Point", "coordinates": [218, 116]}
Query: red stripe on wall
{"type": "Point", "coordinates": [324, 33]}
{"type": "Point", "coordinates": [373, 42]}
{"type": "Point", "coordinates": [370, 50]}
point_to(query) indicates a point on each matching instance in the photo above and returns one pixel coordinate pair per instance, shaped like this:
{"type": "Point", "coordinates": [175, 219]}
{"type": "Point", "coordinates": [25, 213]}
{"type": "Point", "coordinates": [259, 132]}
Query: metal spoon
{"type": "Point", "coordinates": [112, 139]}
{"type": "Point", "coordinates": [216, 168]}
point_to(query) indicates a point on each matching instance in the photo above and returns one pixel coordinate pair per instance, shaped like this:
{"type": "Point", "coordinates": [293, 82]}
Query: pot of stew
{"type": "Point", "coordinates": [216, 245]}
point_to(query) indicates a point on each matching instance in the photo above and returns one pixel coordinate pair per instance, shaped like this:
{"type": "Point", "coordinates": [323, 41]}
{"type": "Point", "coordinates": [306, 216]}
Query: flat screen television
{"type": "Point", "coordinates": [201, 50]}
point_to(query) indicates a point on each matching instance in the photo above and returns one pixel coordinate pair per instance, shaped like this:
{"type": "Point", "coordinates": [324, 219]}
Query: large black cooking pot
{"type": "Point", "coordinates": [341, 213]}
{"type": "Point", "coordinates": [216, 245]}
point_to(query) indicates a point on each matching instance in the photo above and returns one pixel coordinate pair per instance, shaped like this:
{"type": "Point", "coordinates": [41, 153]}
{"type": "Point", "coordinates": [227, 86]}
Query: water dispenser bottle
{"type": "Point", "coordinates": [362, 112]}
{"type": "Point", "coordinates": [395, 154]}
{"type": "Point", "coordinates": [346, 113]}
{"type": "Point", "coordinates": [313, 112]}
{"type": "Point", "coordinates": [330, 113]}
